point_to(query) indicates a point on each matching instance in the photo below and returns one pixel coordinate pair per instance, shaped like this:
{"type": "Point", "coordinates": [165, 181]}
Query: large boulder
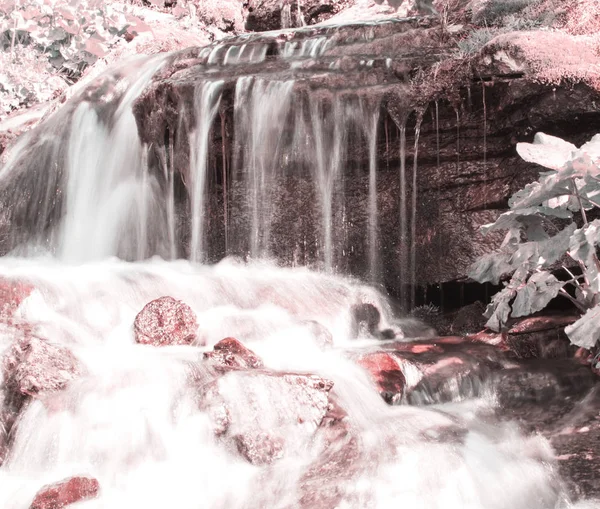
{"type": "Point", "coordinates": [65, 493]}
{"type": "Point", "coordinates": [33, 365]}
{"type": "Point", "coordinates": [266, 415]}
{"type": "Point", "coordinates": [165, 321]}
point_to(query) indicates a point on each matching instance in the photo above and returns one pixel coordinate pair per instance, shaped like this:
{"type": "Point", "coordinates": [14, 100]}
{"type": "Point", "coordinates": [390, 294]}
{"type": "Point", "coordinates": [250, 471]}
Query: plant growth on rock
{"type": "Point", "coordinates": [550, 227]}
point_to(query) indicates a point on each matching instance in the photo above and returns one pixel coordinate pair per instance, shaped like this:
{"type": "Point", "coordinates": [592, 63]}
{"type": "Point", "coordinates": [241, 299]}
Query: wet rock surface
{"type": "Point", "coordinates": [65, 493]}
{"type": "Point", "coordinates": [165, 321]}
{"type": "Point", "coordinates": [464, 179]}
{"type": "Point", "coordinates": [264, 414]}
{"type": "Point", "coordinates": [32, 366]}
{"type": "Point", "coordinates": [386, 373]}
{"type": "Point", "coordinates": [229, 353]}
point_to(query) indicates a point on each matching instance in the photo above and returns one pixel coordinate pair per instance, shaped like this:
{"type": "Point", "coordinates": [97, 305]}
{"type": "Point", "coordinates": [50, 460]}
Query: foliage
{"type": "Point", "coordinates": [476, 40]}
{"type": "Point", "coordinates": [72, 35]}
{"type": "Point", "coordinates": [493, 11]}
{"type": "Point", "coordinates": [548, 228]}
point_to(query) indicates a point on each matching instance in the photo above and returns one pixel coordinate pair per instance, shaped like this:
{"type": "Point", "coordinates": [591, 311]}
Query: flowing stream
{"type": "Point", "coordinates": [95, 232]}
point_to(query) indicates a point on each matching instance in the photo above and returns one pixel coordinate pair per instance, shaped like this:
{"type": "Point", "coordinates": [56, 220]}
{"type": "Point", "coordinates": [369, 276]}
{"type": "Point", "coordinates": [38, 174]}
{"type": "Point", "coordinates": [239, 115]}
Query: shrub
{"type": "Point", "coordinates": [493, 11]}
{"type": "Point", "coordinates": [476, 40]}
{"type": "Point", "coordinates": [71, 35]}
{"type": "Point", "coordinates": [548, 227]}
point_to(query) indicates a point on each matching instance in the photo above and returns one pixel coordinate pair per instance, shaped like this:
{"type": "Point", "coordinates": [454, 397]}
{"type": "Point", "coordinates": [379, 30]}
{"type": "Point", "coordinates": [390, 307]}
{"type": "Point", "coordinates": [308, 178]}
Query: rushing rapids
{"type": "Point", "coordinates": [322, 400]}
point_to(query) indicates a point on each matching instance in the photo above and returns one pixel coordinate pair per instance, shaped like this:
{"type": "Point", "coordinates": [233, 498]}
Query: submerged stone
{"type": "Point", "coordinates": [33, 365]}
{"type": "Point", "coordinates": [266, 414]}
{"type": "Point", "coordinates": [165, 321]}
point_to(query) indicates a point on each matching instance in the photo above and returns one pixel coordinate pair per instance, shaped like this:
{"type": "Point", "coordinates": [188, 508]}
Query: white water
{"type": "Point", "coordinates": [131, 420]}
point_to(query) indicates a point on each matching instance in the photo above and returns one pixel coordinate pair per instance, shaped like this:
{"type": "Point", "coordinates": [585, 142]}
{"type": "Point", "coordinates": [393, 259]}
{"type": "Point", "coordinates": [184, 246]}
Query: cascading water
{"type": "Point", "coordinates": [157, 426]}
{"type": "Point", "coordinates": [206, 104]}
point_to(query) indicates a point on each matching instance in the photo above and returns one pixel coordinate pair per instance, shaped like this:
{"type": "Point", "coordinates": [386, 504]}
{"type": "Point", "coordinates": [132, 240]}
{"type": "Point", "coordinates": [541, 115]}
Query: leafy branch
{"type": "Point", "coordinates": [529, 256]}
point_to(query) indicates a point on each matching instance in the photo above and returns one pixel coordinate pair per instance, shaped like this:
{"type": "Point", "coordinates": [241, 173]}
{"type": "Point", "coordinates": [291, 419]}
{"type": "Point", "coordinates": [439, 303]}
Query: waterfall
{"type": "Point", "coordinates": [372, 121]}
{"type": "Point", "coordinates": [259, 133]}
{"type": "Point", "coordinates": [206, 104]}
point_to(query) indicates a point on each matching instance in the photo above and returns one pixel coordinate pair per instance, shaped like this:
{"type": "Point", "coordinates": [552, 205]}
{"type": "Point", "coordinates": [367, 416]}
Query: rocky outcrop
{"type": "Point", "coordinates": [298, 404]}
{"type": "Point", "coordinates": [67, 492]}
{"type": "Point", "coordinates": [32, 366]}
{"type": "Point", "coordinates": [470, 116]}
{"type": "Point", "coordinates": [165, 321]}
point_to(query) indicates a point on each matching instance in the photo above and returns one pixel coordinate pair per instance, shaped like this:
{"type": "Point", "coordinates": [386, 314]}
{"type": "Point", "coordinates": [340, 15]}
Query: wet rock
{"type": "Point", "coordinates": [365, 320]}
{"type": "Point", "coordinates": [341, 460]}
{"type": "Point", "coordinates": [322, 335]}
{"type": "Point", "coordinates": [12, 294]}
{"type": "Point", "coordinates": [386, 374]}
{"type": "Point", "coordinates": [229, 353]}
{"type": "Point", "coordinates": [260, 448]}
{"type": "Point", "coordinates": [32, 366]}
{"type": "Point", "coordinates": [266, 414]}
{"type": "Point", "coordinates": [576, 442]}
{"type": "Point", "coordinates": [65, 493]}
{"type": "Point", "coordinates": [165, 321]}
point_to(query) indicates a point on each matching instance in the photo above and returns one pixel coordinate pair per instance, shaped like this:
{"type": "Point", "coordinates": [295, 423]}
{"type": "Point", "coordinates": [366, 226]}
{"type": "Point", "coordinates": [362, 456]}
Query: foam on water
{"type": "Point", "coordinates": [132, 421]}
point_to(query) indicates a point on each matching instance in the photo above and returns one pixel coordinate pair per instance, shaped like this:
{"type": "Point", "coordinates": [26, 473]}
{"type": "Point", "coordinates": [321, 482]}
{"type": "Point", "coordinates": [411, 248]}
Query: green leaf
{"type": "Point", "coordinates": [524, 218]}
{"type": "Point", "coordinates": [491, 267]}
{"type": "Point", "coordinates": [498, 310]}
{"type": "Point", "coordinates": [541, 288]}
{"type": "Point", "coordinates": [548, 151]}
{"type": "Point", "coordinates": [543, 253]}
{"type": "Point", "coordinates": [582, 247]}
{"type": "Point", "coordinates": [551, 185]}
{"type": "Point", "coordinates": [585, 332]}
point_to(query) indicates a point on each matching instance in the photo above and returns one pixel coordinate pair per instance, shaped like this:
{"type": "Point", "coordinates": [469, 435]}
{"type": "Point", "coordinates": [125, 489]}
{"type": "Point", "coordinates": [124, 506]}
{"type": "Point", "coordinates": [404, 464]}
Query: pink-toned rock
{"type": "Point", "coordinates": [229, 353]}
{"type": "Point", "coordinates": [386, 373]}
{"type": "Point", "coordinates": [32, 365]}
{"type": "Point", "coordinates": [65, 493]}
{"type": "Point", "coordinates": [321, 333]}
{"type": "Point", "coordinates": [12, 294]}
{"type": "Point", "coordinates": [266, 414]}
{"type": "Point", "coordinates": [260, 448]}
{"type": "Point", "coordinates": [165, 321]}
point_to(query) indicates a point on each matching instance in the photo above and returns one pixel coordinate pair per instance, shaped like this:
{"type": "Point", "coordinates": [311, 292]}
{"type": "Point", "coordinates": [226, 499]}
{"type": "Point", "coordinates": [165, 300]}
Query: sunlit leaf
{"type": "Point", "coordinates": [585, 332]}
{"type": "Point", "coordinates": [540, 289]}
{"type": "Point", "coordinates": [547, 151]}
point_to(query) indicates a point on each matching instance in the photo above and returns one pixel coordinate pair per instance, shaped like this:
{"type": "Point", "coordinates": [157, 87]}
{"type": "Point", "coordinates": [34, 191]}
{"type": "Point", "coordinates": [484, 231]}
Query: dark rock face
{"type": "Point", "coordinates": [229, 353]}
{"type": "Point", "coordinates": [467, 166]}
{"type": "Point", "coordinates": [33, 366]}
{"type": "Point", "coordinates": [165, 321]}
{"type": "Point", "coordinates": [65, 493]}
